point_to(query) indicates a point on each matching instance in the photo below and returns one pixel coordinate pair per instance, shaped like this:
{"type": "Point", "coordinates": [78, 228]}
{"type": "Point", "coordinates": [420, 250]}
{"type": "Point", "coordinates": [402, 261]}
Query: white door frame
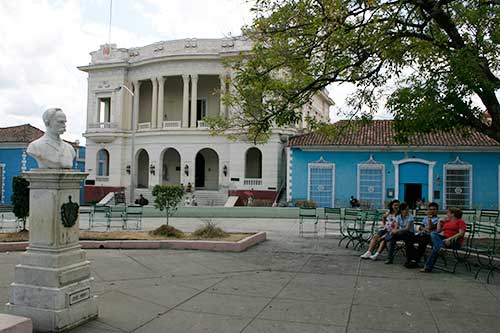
{"type": "Point", "coordinates": [430, 175]}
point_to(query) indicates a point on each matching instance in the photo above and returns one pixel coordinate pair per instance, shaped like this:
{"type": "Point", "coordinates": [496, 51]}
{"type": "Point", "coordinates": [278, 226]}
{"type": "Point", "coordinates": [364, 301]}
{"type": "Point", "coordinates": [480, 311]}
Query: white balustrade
{"type": "Point", "coordinates": [252, 181]}
{"type": "Point", "coordinates": [202, 124]}
{"type": "Point", "coordinates": [101, 178]}
{"type": "Point", "coordinates": [143, 126]}
{"type": "Point", "coordinates": [171, 124]}
{"type": "Point", "coordinates": [103, 125]}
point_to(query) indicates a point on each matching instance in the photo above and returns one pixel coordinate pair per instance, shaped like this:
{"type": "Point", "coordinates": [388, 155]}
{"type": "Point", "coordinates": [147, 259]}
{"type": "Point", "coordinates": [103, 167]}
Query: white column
{"type": "Point", "coordinates": [185, 101]}
{"type": "Point", "coordinates": [135, 111]}
{"type": "Point", "coordinates": [222, 111]}
{"type": "Point", "coordinates": [194, 98]}
{"type": "Point", "coordinates": [154, 103]}
{"type": "Point", "coordinates": [161, 92]}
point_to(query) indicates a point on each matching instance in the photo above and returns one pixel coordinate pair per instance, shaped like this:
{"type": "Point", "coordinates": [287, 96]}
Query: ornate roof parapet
{"type": "Point", "coordinates": [110, 53]}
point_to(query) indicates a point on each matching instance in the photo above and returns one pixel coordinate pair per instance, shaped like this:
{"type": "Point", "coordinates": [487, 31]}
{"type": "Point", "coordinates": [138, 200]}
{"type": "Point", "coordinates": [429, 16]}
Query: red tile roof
{"type": "Point", "coordinates": [22, 133]}
{"type": "Point", "coordinates": [382, 133]}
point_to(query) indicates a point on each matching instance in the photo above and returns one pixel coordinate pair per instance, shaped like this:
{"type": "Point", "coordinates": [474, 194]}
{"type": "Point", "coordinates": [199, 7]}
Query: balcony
{"type": "Point", "coordinates": [169, 124]}
{"type": "Point", "coordinates": [94, 127]}
{"type": "Point", "coordinates": [102, 132]}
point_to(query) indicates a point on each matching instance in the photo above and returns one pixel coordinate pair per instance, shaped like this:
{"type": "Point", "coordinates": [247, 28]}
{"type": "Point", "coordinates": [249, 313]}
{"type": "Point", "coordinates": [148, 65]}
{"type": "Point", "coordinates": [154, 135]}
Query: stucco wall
{"type": "Point", "coordinates": [484, 173]}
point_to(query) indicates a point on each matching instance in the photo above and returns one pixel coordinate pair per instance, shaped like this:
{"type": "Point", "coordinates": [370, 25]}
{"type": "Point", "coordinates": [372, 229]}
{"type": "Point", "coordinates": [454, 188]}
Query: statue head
{"type": "Point", "coordinates": [55, 121]}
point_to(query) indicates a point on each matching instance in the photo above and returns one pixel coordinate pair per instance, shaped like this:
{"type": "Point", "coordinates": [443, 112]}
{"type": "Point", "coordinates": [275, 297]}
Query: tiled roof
{"type": "Point", "coordinates": [382, 133]}
{"type": "Point", "coordinates": [22, 133]}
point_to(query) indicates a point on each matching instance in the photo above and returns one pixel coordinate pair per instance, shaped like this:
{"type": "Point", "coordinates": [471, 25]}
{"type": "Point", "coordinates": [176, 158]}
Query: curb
{"type": "Point", "coordinates": [219, 246]}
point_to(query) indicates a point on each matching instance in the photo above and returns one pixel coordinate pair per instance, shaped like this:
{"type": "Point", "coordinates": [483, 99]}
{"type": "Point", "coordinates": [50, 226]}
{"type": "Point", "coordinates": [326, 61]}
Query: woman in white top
{"type": "Point", "coordinates": [388, 223]}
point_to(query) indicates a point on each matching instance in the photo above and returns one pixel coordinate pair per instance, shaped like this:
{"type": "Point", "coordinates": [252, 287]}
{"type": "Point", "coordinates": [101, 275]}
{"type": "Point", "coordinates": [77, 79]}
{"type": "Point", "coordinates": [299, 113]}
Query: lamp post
{"type": "Point", "coordinates": [132, 145]}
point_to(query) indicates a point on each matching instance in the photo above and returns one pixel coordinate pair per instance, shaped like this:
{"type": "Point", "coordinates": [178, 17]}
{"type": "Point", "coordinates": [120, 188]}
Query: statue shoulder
{"type": "Point", "coordinates": [34, 146]}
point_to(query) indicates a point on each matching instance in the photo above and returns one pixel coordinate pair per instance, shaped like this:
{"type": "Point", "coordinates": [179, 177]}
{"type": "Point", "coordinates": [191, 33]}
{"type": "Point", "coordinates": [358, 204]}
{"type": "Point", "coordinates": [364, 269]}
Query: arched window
{"type": "Point", "coordinates": [103, 163]}
{"type": "Point", "coordinates": [253, 163]}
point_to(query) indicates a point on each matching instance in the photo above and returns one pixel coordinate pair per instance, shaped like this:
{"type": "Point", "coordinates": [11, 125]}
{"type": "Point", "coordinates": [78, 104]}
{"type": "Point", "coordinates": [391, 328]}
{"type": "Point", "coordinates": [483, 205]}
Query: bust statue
{"type": "Point", "coordinates": [50, 151]}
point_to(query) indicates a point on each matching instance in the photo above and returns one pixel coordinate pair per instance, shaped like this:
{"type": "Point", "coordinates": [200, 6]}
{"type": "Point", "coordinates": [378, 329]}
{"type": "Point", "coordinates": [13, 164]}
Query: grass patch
{"type": "Point", "coordinates": [123, 235]}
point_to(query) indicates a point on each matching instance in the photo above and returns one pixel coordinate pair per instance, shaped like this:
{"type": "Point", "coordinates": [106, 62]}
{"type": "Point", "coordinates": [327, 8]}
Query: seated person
{"type": "Point", "coordinates": [423, 237]}
{"type": "Point", "coordinates": [141, 200]}
{"type": "Point", "coordinates": [389, 222]}
{"type": "Point", "coordinates": [448, 234]}
{"type": "Point", "coordinates": [404, 231]}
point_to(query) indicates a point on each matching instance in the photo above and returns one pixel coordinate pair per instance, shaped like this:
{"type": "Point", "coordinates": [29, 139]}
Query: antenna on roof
{"type": "Point", "coordinates": [110, 17]}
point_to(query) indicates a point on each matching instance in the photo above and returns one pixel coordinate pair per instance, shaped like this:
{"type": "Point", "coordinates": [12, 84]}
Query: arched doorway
{"type": "Point", "coordinates": [142, 169]}
{"type": "Point", "coordinates": [171, 167]}
{"type": "Point", "coordinates": [253, 163]}
{"type": "Point", "coordinates": [206, 170]}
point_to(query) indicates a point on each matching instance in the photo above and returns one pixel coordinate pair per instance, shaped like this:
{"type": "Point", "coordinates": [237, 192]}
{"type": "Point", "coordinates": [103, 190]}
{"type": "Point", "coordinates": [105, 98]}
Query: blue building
{"type": "Point", "coordinates": [14, 160]}
{"type": "Point", "coordinates": [367, 163]}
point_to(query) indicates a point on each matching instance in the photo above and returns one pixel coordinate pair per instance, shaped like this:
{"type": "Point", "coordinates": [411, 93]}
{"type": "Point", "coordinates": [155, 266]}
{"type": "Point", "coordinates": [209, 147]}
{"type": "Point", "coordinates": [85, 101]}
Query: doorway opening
{"type": "Point", "coordinates": [413, 193]}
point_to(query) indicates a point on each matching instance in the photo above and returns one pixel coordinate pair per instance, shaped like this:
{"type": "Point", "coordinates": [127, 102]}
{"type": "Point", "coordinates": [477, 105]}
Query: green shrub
{"type": "Point", "coordinates": [305, 204]}
{"type": "Point", "coordinates": [167, 231]}
{"type": "Point", "coordinates": [167, 197]}
{"type": "Point", "coordinates": [209, 230]}
{"type": "Point", "coordinates": [21, 198]}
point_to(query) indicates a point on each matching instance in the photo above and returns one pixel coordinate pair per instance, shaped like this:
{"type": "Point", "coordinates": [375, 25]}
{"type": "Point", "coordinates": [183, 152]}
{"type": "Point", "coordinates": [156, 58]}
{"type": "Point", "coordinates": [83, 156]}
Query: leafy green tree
{"type": "Point", "coordinates": [21, 198]}
{"type": "Point", "coordinates": [167, 198]}
{"type": "Point", "coordinates": [433, 64]}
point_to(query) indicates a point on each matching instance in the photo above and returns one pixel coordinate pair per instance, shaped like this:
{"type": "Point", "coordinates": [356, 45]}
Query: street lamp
{"type": "Point", "coordinates": [130, 170]}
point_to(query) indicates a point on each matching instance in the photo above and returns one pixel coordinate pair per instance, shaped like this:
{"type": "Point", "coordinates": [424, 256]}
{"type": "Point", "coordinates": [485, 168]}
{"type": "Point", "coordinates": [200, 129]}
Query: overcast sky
{"type": "Point", "coordinates": [44, 41]}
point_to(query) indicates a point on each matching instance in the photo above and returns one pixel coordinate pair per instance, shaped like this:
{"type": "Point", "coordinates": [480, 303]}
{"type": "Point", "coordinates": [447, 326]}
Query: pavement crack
{"type": "Point", "coordinates": [353, 297]}
{"type": "Point", "coordinates": [179, 304]}
{"type": "Point", "coordinates": [276, 295]}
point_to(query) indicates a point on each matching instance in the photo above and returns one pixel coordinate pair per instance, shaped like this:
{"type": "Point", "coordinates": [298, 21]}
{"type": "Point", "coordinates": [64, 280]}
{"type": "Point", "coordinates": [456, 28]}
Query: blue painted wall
{"type": "Point", "coordinates": [12, 158]}
{"type": "Point", "coordinates": [484, 173]}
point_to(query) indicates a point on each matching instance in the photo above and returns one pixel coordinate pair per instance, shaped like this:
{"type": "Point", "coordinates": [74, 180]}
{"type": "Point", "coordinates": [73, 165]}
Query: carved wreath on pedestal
{"type": "Point", "coordinates": [69, 213]}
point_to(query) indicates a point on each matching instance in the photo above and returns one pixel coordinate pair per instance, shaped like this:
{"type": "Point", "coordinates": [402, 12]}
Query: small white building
{"type": "Point", "coordinates": [145, 125]}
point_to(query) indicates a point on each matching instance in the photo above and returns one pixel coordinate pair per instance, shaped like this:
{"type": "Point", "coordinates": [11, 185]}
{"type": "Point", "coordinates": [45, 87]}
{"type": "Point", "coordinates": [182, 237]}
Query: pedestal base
{"type": "Point", "coordinates": [53, 283]}
{"type": "Point", "coordinates": [45, 320]}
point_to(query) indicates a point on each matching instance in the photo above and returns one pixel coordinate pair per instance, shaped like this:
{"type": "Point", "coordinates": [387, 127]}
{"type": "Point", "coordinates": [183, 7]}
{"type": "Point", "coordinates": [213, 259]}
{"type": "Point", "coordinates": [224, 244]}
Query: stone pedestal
{"type": "Point", "coordinates": [52, 282]}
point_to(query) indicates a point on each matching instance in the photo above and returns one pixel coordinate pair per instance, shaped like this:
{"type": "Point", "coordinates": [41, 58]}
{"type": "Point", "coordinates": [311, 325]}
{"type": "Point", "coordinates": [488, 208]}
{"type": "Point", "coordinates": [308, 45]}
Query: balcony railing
{"type": "Point", "coordinates": [171, 124]}
{"type": "Point", "coordinates": [107, 125]}
{"type": "Point", "coordinates": [252, 181]}
{"type": "Point", "coordinates": [101, 178]}
{"type": "Point", "coordinates": [143, 126]}
{"type": "Point", "coordinates": [202, 124]}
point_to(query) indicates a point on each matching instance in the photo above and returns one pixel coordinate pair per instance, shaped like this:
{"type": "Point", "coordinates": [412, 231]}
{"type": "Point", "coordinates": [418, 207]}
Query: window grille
{"type": "Point", "coordinates": [321, 187]}
{"type": "Point", "coordinates": [371, 178]}
{"type": "Point", "coordinates": [458, 184]}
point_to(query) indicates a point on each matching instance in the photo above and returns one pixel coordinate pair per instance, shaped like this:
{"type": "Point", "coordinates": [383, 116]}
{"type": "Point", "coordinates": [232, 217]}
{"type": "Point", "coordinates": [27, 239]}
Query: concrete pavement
{"type": "Point", "coordinates": [287, 284]}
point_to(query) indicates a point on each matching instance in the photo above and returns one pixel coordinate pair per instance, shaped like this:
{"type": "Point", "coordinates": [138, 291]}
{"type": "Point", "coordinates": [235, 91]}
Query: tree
{"type": "Point", "coordinates": [167, 197]}
{"type": "Point", "coordinates": [433, 64]}
{"type": "Point", "coordinates": [21, 199]}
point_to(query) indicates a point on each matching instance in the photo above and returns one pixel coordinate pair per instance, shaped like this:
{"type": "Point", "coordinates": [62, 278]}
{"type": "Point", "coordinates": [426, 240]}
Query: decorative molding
{"type": "Point", "coordinates": [371, 164]}
{"type": "Point", "coordinates": [430, 175]}
{"type": "Point", "coordinates": [457, 164]}
{"type": "Point", "coordinates": [2, 180]}
{"type": "Point", "coordinates": [321, 164]}
{"type": "Point", "coordinates": [190, 43]}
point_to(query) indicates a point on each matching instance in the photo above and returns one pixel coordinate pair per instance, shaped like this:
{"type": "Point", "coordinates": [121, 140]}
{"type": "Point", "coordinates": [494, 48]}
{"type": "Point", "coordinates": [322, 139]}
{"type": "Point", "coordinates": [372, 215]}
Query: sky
{"type": "Point", "coordinates": [43, 42]}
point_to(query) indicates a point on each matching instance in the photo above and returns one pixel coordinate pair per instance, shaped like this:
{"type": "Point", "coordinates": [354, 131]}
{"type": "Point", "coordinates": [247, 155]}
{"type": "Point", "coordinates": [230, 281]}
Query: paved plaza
{"type": "Point", "coordinates": [286, 284]}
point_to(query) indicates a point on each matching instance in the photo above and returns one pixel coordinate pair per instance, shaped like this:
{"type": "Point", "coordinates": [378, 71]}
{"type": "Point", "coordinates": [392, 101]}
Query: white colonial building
{"type": "Point", "coordinates": [145, 123]}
